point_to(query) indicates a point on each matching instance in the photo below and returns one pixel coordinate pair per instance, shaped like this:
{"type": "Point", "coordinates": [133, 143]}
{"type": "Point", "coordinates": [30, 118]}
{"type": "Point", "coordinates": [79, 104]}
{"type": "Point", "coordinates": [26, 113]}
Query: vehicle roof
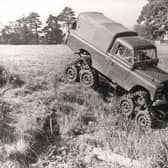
{"type": "Point", "coordinates": [96, 17]}
{"type": "Point", "coordinates": [136, 42]}
{"type": "Point", "coordinates": [100, 30]}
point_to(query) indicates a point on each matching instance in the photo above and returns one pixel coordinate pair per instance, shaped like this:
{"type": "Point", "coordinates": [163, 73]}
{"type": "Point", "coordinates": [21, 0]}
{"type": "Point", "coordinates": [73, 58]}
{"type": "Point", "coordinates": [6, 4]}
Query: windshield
{"type": "Point", "coordinates": [144, 55]}
{"type": "Point", "coordinates": [124, 53]}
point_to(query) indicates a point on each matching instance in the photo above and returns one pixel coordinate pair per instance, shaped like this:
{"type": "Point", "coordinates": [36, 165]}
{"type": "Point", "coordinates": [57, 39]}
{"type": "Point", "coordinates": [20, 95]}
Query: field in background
{"type": "Point", "coordinates": [34, 57]}
{"type": "Point", "coordinates": [37, 56]}
{"type": "Point", "coordinates": [45, 90]}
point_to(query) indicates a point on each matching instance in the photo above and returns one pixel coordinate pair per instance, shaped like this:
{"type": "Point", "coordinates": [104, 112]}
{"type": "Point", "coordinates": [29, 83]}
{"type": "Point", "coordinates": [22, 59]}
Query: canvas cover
{"type": "Point", "coordinates": [99, 30]}
{"type": "Point", "coordinates": [136, 43]}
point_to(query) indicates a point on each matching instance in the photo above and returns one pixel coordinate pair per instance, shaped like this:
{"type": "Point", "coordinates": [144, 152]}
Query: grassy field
{"type": "Point", "coordinates": [28, 135]}
{"type": "Point", "coordinates": [40, 68]}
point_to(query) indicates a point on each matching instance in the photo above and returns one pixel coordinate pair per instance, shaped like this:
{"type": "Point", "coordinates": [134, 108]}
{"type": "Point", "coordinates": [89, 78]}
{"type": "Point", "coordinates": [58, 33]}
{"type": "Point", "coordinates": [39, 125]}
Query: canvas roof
{"type": "Point", "coordinates": [99, 30]}
{"type": "Point", "coordinates": [136, 43]}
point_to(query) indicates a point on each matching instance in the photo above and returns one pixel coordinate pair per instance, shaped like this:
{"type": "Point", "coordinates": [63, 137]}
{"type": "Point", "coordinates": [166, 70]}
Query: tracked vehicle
{"type": "Point", "coordinates": [109, 49]}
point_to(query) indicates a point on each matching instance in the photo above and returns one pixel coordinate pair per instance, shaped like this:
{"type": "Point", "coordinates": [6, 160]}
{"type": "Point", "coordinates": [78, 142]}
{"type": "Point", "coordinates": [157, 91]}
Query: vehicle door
{"type": "Point", "coordinates": [120, 60]}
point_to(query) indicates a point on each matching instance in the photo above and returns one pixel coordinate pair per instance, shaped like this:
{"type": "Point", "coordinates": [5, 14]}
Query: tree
{"type": "Point", "coordinates": [53, 34]}
{"type": "Point", "coordinates": [34, 24]}
{"type": "Point", "coordinates": [9, 34]}
{"type": "Point", "coordinates": [5, 34]}
{"type": "Point", "coordinates": [17, 32]}
{"type": "Point", "coordinates": [24, 31]}
{"type": "Point", "coordinates": [67, 17]}
{"type": "Point", "coordinates": [154, 17]}
{"type": "Point", "coordinates": [142, 31]}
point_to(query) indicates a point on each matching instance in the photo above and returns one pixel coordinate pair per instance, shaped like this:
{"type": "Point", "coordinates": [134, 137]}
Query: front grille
{"type": "Point", "coordinates": [162, 93]}
{"type": "Point", "coordinates": [165, 90]}
{"type": "Point", "coordinates": [159, 94]}
{"type": "Point", "coordinates": [161, 97]}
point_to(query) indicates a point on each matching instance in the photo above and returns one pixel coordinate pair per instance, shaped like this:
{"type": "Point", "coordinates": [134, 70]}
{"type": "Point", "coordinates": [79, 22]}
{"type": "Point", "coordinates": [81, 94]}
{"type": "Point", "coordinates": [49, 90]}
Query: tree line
{"type": "Point", "coordinates": [30, 30]}
{"type": "Point", "coordinates": [151, 24]}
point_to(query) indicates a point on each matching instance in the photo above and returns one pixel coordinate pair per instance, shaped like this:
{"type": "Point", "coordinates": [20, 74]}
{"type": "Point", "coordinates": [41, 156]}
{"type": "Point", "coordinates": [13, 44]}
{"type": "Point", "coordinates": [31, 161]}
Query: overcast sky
{"type": "Point", "coordinates": [123, 11]}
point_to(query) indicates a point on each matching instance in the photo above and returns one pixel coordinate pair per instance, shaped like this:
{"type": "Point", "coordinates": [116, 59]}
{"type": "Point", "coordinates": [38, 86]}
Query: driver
{"type": "Point", "coordinates": [140, 56]}
{"type": "Point", "coordinates": [120, 51]}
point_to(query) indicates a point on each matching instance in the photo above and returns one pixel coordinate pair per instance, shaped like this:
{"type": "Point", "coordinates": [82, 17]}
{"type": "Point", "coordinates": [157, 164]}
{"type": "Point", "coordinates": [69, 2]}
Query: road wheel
{"type": "Point", "coordinates": [126, 106]}
{"type": "Point", "coordinates": [87, 78]}
{"type": "Point", "coordinates": [143, 119]}
{"type": "Point", "coordinates": [142, 98]}
{"type": "Point", "coordinates": [85, 65]}
{"type": "Point", "coordinates": [71, 73]}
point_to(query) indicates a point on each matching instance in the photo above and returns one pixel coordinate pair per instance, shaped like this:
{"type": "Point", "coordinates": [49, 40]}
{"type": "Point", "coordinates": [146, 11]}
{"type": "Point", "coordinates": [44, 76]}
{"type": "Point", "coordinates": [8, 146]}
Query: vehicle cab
{"type": "Point", "coordinates": [135, 51]}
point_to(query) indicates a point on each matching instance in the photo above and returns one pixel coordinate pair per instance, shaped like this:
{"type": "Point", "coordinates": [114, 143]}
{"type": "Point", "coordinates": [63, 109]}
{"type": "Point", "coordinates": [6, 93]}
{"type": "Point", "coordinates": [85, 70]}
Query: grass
{"type": "Point", "coordinates": [81, 118]}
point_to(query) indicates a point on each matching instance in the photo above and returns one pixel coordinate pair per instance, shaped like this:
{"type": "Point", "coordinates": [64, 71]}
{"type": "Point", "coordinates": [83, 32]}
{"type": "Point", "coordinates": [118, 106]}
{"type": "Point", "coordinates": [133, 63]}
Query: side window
{"type": "Point", "coordinates": [120, 50]}
{"type": "Point", "coordinates": [114, 48]}
{"type": "Point", "coordinates": [124, 53]}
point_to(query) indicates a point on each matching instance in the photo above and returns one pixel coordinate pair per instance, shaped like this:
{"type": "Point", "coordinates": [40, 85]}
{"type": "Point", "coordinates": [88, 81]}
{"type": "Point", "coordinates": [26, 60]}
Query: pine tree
{"type": "Point", "coordinates": [67, 17]}
{"type": "Point", "coordinates": [53, 33]}
{"type": "Point", "coordinates": [34, 24]}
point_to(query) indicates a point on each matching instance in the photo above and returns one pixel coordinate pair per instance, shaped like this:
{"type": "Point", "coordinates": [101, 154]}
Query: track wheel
{"type": "Point", "coordinates": [141, 98]}
{"type": "Point", "coordinates": [87, 78]}
{"type": "Point", "coordinates": [143, 119]}
{"type": "Point", "coordinates": [71, 73]}
{"type": "Point", "coordinates": [126, 106]}
{"type": "Point", "coordinates": [85, 65]}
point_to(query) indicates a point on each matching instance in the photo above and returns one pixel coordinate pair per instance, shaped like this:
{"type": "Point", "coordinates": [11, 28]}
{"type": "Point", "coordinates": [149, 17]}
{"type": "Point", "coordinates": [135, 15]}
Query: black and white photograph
{"type": "Point", "coordinates": [83, 84]}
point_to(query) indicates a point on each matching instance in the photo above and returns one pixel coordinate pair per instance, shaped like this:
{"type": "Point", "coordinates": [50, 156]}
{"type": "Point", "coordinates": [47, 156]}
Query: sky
{"type": "Point", "coordinates": [123, 11]}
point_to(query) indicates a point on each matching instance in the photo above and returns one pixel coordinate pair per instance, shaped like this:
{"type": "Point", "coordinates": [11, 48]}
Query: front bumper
{"type": "Point", "coordinates": [160, 109]}
{"type": "Point", "coordinates": [159, 103]}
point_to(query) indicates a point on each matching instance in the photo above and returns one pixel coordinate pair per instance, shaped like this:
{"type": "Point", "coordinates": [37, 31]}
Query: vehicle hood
{"type": "Point", "coordinates": [153, 74]}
